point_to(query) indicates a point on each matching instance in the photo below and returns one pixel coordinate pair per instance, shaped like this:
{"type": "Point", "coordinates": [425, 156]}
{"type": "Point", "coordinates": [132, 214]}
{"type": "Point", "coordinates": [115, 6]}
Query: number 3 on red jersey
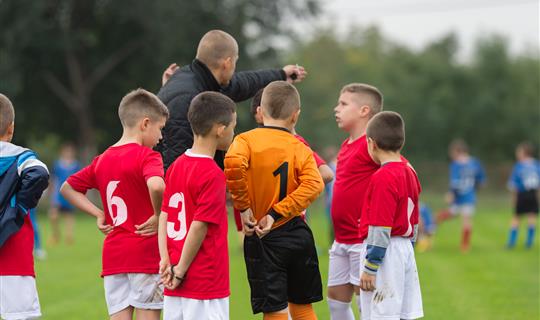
{"type": "Point", "coordinates": [172, 233]}
{"type": "Point", "coordinates": [121, 208]}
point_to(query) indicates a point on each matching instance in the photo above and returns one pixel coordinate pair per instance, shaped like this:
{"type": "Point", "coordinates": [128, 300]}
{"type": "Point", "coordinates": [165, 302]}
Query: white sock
{"type": "Point", "coordinates": [340, 310]}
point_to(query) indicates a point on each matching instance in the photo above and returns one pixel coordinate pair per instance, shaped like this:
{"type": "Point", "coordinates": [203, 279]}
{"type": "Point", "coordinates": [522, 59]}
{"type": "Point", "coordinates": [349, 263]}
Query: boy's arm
{"type": "Point", "coordinates": [156, 187]}
{"type": "Point", "coordinates": [34, 180]}
{"type": "Point", "coordinates": [194, 239]}
{"type": "Point", "coordinates": [81, 202]}
{"type": "Point", "coordinates": [152, 171]}
{"type": "Point", "coordinates": [311, 185]}
{"type": "Point", "coordinates": [326, 173]}
{"type": "Point", "coordinates": [164, 263]}
{"type": "Point", "coordinates": [382, 207]}
{"type": "Point", "coordinates": [236, 166]}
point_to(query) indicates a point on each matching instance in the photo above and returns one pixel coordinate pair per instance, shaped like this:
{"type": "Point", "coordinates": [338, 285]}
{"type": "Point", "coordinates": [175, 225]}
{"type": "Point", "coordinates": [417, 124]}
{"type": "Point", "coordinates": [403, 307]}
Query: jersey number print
{"type": "Point", "coordinates": [172, 233]}
{"type": "Point", "coordinates": [121, 208]}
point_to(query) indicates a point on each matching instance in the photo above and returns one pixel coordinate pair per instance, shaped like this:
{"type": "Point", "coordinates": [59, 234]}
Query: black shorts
{"type": "Point", "coordinates": [283, 267]}
{"type": "Point", "coordinates": [527, 202]}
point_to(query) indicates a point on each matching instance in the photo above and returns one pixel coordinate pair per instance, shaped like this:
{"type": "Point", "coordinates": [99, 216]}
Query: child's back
{"type": "Point", "coordinates": [278, 163]}
{"type": "Point", "coordinates": [120, 174]}
{"type": "Point", "coordinates": [23, 178]}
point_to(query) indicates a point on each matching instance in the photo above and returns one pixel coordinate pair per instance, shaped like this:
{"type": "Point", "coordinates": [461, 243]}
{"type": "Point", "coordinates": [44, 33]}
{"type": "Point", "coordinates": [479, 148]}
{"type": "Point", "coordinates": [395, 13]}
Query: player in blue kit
{"type": "Point", "coordinates": [524, 184]}
{"type": "Point", "coordinates": [466, 176]}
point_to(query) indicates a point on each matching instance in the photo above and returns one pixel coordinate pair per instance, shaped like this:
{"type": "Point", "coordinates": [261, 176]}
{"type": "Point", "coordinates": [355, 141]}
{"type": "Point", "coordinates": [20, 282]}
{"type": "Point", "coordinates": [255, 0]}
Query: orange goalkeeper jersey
{"type": "Point", "coordinates": [269, 168]}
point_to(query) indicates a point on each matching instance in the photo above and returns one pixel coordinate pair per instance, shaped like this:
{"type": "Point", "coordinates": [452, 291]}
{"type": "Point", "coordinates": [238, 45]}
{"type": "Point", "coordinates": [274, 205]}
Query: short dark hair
{"type": "Point", "coordinates": [280, 100]}
{"type": "Point", "coordinates": [138, 104]}
{"type": "Point", "coordinates": [209, 108]}
{"type": "Point", "coordinates": [527, 148]}
{"type": "Point", "coordinates": [7, 113]}
{"type": "Point", "coordinates": [256, 102]}
{"type": "Point", "coordinates": [459, 145]}
{"type": "Point", "coordinates": [387, 129]}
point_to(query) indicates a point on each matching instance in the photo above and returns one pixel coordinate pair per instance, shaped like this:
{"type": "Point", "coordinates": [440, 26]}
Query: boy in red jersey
{"type": "Point", "coordinates": [193, 221]}
{"type": "Point", "coordinates": [356, 105]}
{"type": "Point", "coordinates": [22, 181]}
{"type": "Point", "coordinates": [129, 178]}
{"type": "Point", "coordinates": [389, 280]}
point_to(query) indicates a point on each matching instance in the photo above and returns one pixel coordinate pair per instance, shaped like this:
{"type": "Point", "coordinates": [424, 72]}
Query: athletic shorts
{"type": "Point", "coordinates": [283, 267]}
{"type": "Point", "coordinates": [465, 209]}
{"type": "Point", "coordinates": [344, 265]}
{"type": "Point", "coordinates": [527, 202]}
{"type": "Point", "coordinates": [139, 290]}
{"type": "Point", "coordinates": [397, 294]}
{"type": "Point", "coordinates": [19, 298]}
{"type": "Point", "coordinates": [179, 308]}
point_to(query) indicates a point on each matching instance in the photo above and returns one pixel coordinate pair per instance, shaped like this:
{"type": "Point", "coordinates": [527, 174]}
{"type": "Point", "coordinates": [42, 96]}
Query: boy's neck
{"type": "Point", "coordinates": [358, 131]}
{"type": "Point", "coordinates": [129, 136]}
{"type": "Point", "coordinates": [279, 123]}
{"type": "Point", "coordinates": [388, 156]}
{"type": "Point", "coordinates": [206, 146]}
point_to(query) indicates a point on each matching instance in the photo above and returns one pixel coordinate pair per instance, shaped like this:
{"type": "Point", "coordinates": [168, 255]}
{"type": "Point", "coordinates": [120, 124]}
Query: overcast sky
{"type": "Point", "coordinates": [418, 22]}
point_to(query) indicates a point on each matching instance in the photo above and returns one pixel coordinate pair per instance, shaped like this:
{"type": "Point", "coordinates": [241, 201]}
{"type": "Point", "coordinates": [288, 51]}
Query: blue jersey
{"type": "Point", "coordinates": [62, 171]}
{"type": "Point", "coordinates": [465, 178]}
{"type": "Point", "coordinates": [525, 176]}
{"type": "Point", "coordinates": [427, 218]}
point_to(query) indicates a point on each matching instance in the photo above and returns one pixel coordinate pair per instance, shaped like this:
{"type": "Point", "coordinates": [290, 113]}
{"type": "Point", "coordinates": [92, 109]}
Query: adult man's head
{"type": "Point", "coordinates": [218, 50]}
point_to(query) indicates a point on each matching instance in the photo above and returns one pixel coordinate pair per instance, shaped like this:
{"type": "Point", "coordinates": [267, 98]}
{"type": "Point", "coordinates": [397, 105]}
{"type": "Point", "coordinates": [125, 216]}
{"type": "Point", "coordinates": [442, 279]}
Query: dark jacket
{"type": "Point", "coordinates": [191, 80]}
{"type": "Point", "coordinates": [23, 178]}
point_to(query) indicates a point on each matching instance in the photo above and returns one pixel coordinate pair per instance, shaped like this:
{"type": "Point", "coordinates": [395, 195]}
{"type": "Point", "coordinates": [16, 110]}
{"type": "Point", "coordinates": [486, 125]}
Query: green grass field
{"type": "Point", "coordinates": [489, 282]}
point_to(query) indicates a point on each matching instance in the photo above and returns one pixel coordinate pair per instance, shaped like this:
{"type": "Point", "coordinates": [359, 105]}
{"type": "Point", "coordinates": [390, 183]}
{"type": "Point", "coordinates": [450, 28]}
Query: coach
{"type": "Point", "coordinates": [213, 69]}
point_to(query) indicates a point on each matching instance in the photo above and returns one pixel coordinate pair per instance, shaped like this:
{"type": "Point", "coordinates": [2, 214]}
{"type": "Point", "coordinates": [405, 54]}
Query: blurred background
{"type": "Point", "coordinates": [453, 69]}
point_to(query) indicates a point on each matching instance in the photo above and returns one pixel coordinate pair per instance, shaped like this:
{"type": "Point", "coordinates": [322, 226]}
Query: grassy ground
{"type": "Point", "coordinates": [487, 283]}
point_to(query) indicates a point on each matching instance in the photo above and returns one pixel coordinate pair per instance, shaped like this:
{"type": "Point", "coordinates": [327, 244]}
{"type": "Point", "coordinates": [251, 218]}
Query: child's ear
{"type": "Point", "coordinates": [295, 116]}
{"type": "Point", "coordinates": [145, 122]}
{"type": "Point", "coordinates": [365, 110]}
{"type": "Point", "coordinates": [220, 129]}
{"type": "Point", "coordinates": [11, 128]}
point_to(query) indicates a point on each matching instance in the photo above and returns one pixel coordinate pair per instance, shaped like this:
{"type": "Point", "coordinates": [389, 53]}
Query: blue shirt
{"type": "Point", "coordinates": [465, 178]}
{"type": "Point", "coordinates": [62, 171]}
{"type": "Point", "coordinates": [525, 176]}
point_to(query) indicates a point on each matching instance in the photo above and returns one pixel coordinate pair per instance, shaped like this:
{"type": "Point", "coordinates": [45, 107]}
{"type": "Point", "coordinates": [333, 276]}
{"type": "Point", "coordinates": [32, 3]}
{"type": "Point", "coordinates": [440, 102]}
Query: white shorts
{"type": "Point", "coordinates": [344, 265]}
{"type": "Point", "coordinates": [397, 294]}
{"type": "Point", "coordinates": [139, 290]}
{"type": "Point", "coordinates": [18, 298]}
{"type": "Point", "coordinates": [178, 308]}
{"type": "Point", "coordinates": [466, 210]}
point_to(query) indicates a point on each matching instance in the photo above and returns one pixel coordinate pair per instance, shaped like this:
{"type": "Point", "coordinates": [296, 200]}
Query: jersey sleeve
{"type": "Point", "coordinates": [514, 177]}
{"type": "Point", "coordinates": [211, 200]}
{"type": "Point", "coordinates": [236, 166]}
{"type": "Point", "coordinates": [318, 160]}
{"type": "Point", "coordinates": [311, 185]}
{"type": "Point", "coordinates": [152, 165]}
{"type": "Point", "coordinates": [382, 207]}
{"type": "Point", "coordinates": [85, 179]}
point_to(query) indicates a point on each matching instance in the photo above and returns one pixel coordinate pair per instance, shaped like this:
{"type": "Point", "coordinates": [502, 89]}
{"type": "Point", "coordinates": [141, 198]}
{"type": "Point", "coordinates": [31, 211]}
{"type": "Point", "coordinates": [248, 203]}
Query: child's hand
{"type": "Point", "coordinates": [177, 279]}
{"type": "Point", "coordinates": [102, 226]}
{"type": "Point", "coordinates": [248, 222]}
{"type": "Point", "coordinates": [149, 228]}
{"type": "Point", "coordinates": [367, 281]}
{"type": "Point", "coordinates": [165, 272]}
{"type": "Point", "coordinates": [264, 225]}
{"type": "Point", "coordinates": [171, 69]}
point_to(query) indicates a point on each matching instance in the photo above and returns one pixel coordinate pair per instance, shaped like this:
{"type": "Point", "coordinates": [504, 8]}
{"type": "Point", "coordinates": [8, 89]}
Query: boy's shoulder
{"type": "Point", "coordinates": [8, 149]}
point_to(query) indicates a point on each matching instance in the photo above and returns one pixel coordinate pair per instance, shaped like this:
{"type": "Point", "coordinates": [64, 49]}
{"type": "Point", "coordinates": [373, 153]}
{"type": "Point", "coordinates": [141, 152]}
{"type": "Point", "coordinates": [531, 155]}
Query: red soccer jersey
{"type": "Point", "coordinates": [120, 175]}
{"type": "Point", "coordinates": [392, 200]}
{"type": "Point", "coordinates": [196, 192]}
{"type": "Point", "coordinates": [353, 170]}
{"type": "Point", "coordinates": [16, 255]}
{"type": "Point", "coordinates": [318, 160]}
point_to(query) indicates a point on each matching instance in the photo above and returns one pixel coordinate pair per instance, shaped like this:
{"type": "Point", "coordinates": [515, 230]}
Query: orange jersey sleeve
{"type": "Point", "coordinates": [268, 168]}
